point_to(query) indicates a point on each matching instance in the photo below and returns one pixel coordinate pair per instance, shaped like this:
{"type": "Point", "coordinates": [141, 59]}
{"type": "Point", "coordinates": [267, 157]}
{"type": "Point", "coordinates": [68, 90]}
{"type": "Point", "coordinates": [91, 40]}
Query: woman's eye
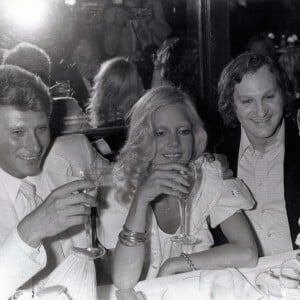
{"type": "Point", "coordinates": [246, 101]}
{"type": "Point", "coordinates": [271, 96]}
{"type": "Point", "coordinates": [185, 131]}
{"type": "Point", "coordinates": [159, 133]}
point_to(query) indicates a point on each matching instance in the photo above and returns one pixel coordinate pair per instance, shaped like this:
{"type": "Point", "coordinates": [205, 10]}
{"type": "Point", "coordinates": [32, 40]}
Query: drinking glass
{"type": "Point", "coordinates": [290, 279]}
{"type": "Point", "coordinates": [94, 247]}
{"type": "Point", "coordinates": [184, 209]}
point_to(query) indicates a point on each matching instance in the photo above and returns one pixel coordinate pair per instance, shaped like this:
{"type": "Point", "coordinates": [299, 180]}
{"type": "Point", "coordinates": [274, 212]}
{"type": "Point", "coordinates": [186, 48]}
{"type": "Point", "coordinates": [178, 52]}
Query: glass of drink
{"type": "Point", "coordinates": [94, 247]}
{"type": "Point", "coordinates": [184, 203]}
{"type": "Point", "coordinates": [290, 279]}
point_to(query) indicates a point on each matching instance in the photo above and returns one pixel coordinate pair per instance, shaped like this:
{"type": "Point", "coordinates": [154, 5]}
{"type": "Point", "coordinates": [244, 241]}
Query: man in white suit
{"type": "Point", "coordinates": [36, 234]}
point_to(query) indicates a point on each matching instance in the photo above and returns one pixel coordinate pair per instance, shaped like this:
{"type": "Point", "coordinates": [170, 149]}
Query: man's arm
{"type": "Point", "coordinates": [19, 262]}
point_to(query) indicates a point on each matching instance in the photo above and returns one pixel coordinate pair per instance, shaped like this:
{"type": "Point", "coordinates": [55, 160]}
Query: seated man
{"type": "Point", "coordinates": [42, 211]}
{"type": "Point", "coordinates": [262, 147]}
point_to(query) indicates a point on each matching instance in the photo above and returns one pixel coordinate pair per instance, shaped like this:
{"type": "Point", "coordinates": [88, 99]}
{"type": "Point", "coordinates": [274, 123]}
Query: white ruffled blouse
{"type": "Point", "coordinates": [213, 201]}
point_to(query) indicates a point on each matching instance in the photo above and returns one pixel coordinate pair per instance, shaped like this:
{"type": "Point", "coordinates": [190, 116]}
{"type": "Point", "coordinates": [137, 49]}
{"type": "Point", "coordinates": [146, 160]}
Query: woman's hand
{"type": "Point", "coordinates": [164, 179]}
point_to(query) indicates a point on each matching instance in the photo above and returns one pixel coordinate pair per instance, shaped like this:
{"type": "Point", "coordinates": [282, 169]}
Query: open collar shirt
{"type": "Point", "coordinates": [263, 174]}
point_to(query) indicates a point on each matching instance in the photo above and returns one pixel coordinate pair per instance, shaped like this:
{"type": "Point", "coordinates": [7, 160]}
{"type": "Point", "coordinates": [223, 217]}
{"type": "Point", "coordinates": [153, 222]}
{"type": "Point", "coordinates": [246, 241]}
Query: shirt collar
{"type": "Point", "coordinates": [245, 144]}
{"type": "Point", "coordinates": [12, 184]}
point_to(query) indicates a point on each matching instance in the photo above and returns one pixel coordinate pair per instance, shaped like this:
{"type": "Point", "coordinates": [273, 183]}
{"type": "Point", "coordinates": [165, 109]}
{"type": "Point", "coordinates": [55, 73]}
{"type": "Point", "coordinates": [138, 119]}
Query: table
{"type": "Point", "coordinates": [154, 288]}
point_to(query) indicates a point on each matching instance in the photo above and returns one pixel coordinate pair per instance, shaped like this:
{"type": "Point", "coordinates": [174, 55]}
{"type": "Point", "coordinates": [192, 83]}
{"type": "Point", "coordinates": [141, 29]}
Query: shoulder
{"type": "Point", "coordinates": [212, 177]}
{"type": "Point", "coordinates": [209, 168]}
{"type": "Point", "coordinates": [69, 140]}
{"type": "Point", "coordinates": [74, 147]}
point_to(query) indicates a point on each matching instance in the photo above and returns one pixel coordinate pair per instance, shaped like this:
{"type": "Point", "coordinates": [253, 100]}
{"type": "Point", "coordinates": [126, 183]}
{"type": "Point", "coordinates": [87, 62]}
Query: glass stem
{"type": "Point", "coordinates": [88, 232]}
{"type": "Point", "coordinates": [182, 211]}
{"type": "Point", "coordinates": [94, 238]}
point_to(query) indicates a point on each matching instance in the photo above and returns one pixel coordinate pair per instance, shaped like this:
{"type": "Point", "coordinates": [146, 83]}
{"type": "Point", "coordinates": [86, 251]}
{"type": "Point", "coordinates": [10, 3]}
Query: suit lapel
{"type": "Point", "coordinates": [292, 178]}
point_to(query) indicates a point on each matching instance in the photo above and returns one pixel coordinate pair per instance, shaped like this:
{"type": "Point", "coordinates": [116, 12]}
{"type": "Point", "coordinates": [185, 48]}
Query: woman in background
{"type": "Point", "coordinates": [117, 86]}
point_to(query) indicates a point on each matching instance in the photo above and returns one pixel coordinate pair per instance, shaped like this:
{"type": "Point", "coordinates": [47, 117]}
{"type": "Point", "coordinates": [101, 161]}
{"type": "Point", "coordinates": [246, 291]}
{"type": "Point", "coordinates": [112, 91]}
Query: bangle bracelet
{"type": "Point", "coordinates": [132, 238]}
{"type": "Point", "coordinates": [189, 261]}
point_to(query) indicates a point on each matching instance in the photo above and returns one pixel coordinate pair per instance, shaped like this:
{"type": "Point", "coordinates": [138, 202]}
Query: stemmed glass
{"type": "Point", "coordinates": [94, 247]}
{"type": "Point", "coordinates": [290, 279]}
{"type": "Point", "coordinates": [184, 203]}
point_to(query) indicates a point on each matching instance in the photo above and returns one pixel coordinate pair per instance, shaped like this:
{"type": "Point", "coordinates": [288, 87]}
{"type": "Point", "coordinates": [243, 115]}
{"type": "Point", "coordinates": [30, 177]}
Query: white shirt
{"type": "Point", "coordinates": [263, 174]}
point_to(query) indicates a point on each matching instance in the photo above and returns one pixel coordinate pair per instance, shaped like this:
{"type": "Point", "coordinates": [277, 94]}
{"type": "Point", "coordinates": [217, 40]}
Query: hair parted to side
{"type": "Point", "coordinates": [140, 148]}
{"type": "Point", "coordinates": [31, 58]}
{"type": "Point", "coordinates": [23, 90]}
{"type": "Point", "coordinates": [233, 73]}
{"type": "Point", "coordinates": [117, 83]}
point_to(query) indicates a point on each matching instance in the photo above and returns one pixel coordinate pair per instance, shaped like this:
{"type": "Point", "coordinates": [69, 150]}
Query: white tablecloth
{"type": "Point", "coordinates": [155, 288]}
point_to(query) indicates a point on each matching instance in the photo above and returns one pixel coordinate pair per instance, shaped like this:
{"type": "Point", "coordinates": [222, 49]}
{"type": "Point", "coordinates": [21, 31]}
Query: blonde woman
{"type": "Point", "coordinates": [166, 137]}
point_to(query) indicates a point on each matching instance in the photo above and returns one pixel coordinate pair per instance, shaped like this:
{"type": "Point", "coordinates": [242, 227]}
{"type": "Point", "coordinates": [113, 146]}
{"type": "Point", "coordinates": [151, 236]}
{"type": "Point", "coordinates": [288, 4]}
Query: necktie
{"type": "Point", "coordinates": [26, 201]}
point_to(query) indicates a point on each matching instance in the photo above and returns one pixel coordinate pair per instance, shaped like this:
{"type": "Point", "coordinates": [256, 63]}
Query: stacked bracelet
{"type": "Point", "coordinates": [132, 238]}
{"type": "Point", "coordinates": [189, 261]}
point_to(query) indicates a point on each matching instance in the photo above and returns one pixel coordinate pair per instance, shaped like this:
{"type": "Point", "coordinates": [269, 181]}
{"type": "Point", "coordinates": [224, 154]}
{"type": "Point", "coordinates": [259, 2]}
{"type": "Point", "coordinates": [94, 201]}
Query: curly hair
{"type": "Point", "coordinates": [233, 73]}
{"type": "Point", "coordinates": [23, 90]}
{"type": "Point", "coordinates": [117, 86]}
{"type": "Point", "coordinates": [139, 150]}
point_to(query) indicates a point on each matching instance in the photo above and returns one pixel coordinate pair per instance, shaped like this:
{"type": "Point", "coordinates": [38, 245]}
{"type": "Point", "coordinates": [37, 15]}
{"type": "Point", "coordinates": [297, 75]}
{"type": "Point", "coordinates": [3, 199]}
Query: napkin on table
{"type": "Point", "coordinates": [188, 288]}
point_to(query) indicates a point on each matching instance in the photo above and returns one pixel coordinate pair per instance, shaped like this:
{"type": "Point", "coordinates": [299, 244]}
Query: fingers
{"type": "Point", "coordinates": [172, 166]}
{"type": "Point", "coordinates": [174, 186]}
{"type": "Point", "coordinates": [76, 210]}
{"type": "Point", "coordinates": [81, 198]}
{"type": "Point", "coordinates": [179, 177]}
{"type": "Point", "coordinates": [71, 187]}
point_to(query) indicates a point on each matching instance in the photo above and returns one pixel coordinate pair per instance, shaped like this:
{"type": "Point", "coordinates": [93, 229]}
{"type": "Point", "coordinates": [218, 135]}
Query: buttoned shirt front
{"type": "Point", "coordinates": [264, 176]}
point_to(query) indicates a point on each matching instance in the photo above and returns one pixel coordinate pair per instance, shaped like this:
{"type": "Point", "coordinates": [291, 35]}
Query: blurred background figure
{"type": "Point", "coordinates": [86, 58]}
{"type": "Point", "coordinates": [289, 60]}
{"type": "Point", "coordinates": [31, 58]}
{"type": "Point", "coordinates": [176, 64]}
{"type": "Point", "coordinates": [117, 86]}
{"type": "Point", "coordinates": [261, 44]}
{"type": "Point", "coordinates": [135, 29]}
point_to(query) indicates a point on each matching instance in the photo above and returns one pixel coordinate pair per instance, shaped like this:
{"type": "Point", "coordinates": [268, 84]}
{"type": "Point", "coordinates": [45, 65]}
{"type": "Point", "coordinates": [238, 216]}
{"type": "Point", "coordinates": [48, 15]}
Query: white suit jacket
{"type": "Point", "coordinates": [16, 266]}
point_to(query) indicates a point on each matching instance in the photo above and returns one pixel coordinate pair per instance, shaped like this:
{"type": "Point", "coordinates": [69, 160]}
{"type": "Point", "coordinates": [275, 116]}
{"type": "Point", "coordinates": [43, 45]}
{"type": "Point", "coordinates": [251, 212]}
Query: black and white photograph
{"type": "Point", "coordinates": [149, 149]}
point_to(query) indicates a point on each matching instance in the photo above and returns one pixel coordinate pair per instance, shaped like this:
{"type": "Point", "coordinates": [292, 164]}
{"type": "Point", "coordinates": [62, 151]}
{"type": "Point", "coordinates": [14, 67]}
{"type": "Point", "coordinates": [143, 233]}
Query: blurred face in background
{"type": "Point", "coordinates": [86, 59]}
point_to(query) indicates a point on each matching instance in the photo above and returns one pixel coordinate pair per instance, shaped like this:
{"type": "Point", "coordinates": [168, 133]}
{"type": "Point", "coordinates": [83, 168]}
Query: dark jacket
{"type": "Point", "coordinates": [230, 147]}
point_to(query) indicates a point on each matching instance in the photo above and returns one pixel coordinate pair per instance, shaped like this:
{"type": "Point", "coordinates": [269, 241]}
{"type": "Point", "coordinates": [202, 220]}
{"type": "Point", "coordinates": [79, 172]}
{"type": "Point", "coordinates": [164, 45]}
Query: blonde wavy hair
{"type": "Point", "coordinates": [136, 156]}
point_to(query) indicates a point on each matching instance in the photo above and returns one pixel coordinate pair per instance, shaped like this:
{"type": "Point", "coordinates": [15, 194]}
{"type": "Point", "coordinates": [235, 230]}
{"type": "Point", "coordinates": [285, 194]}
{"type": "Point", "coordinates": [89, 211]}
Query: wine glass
{"type": "Point", "coordinates": [94, 247]}
{"type": "Point", "coordinates": [290, 279]}
{"type": "Point", "coordinates": [184, 203]}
